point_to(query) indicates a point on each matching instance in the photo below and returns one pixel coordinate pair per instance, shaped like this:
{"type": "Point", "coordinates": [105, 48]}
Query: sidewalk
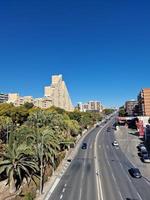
{"type": "Point", "coordinates": [50, 185]}
{"type": "Point", "coordinates": [128, 140]}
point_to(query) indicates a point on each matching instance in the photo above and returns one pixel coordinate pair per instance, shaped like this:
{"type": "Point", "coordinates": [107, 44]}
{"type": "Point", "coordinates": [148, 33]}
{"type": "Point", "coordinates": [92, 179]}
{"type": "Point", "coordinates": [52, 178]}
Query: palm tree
{"type": "Point", "coordinates": [46, 146]}
{"type": "Point", "coordinates": [18, 163]}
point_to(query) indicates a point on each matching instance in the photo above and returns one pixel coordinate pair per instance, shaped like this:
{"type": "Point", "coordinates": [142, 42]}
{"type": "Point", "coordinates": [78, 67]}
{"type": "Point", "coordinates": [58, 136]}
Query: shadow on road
{"type": "Point", "coordinates": [134, 133]}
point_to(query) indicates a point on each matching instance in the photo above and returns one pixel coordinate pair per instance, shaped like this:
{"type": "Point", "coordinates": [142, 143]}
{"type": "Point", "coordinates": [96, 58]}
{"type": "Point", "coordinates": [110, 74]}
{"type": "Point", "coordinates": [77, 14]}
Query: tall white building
{"type": "Point", "coordinates": [57, 92]}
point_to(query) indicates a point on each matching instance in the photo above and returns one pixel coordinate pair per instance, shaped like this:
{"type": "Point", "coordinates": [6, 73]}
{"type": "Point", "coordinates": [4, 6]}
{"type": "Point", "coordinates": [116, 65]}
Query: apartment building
{"type": "Point", "coordinates": [54, 95]}
{"type": "Point", "coordinates": [3, 97]}
{"type": "Point", "coordinates": [22, 100]}
{"type": "Point", "coordinates": [43, 102]}
{"type": "Point", "coordinates": [131, 107]}
{"type": "Point", "coordinates": [144, 102]}
{"type": "Point", "coordinates": [91, 106]}
{"type": "Point", "coordinates": [58, 93]}
{"type": "Point", "coordinates": [12, 97]}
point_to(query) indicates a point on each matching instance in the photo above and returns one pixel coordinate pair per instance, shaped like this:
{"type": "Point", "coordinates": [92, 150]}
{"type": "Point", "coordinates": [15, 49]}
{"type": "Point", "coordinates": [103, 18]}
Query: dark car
{"type": "Point", "coordinates": [141, 145]}
{"type": "Point", "coordinates": [135, 172]}
{"type": "Point", "coordinates": [144, 153]}
{"type": "Point", "coordinates": [84, 145]}
{"type": "Point", "coordinates": [97, 125]}
{"type": "Point", "coordinates": [145, 158]}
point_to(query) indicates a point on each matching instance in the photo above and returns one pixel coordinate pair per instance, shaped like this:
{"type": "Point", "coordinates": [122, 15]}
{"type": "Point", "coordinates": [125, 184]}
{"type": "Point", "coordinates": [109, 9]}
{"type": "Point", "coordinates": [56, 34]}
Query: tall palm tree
{"type": "Point", "coordinates": [45, 145]}
{"type": "Point", "coordinates": [18, 163]}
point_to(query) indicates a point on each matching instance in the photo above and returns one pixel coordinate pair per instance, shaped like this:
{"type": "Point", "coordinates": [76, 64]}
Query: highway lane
{"type": "Point", "coordinates": [118, 164]}
{"type": "Point", "coordinates": [140, 185]}
{"type": "Point", "coordinates": [78, 183]}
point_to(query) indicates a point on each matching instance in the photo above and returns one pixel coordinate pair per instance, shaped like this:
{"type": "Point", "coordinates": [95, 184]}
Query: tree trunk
{"type": "Point", "coordinates": [12, 185]}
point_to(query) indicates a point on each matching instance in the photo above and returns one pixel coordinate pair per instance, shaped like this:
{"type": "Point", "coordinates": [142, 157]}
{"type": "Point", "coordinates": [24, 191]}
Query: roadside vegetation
{"type": "Point", "coordinates": [122, 112]}
{"type": "Point", "coordinates": [32, 144]}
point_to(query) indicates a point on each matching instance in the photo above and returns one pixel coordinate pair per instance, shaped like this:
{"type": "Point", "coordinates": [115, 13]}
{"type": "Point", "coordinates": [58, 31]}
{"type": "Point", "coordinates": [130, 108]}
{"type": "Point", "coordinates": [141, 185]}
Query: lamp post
{"type": "Point", "coordinates": [41, 170]}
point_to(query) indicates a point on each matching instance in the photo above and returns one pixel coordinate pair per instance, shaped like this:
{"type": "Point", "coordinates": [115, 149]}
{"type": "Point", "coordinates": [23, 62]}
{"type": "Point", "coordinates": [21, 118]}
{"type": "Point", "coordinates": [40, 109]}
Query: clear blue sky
{"type": "Point", "coordinates": [101, 47]}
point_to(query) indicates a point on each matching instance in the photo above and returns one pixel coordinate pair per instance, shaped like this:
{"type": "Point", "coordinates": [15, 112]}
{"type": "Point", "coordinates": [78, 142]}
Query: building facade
{"type": "Point", "coordinates": [22, 100]}
{"type": "Point", "coordinates": [131, 107]}
{"type": "Point", "coordinates": [91, 106]}
{"type": "Point", "coordinates": [54, 95]}
{"type": "Point", "coordinates": [3, 98]}
{"type": "Point", "coordinates": [58, 94]}
{"type": "Point", "coordinates": [144, 102]}
{"type": "Point", "coordinates": [42, 102]}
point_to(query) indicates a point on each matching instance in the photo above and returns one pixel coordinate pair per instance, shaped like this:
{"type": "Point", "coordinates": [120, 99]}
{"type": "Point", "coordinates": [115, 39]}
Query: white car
{"type": "Point", "coordinates": [115, 143]}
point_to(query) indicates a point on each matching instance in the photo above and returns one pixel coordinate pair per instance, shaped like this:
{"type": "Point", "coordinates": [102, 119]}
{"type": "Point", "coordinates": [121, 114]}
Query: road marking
{"type": "Point", "coordinates": [98, 179]}
{"type": "Point", "coordinates": [126, 173]}
{"type": "Point", "coordinates": [115, 181]}
{"type": "Point", "coordinates": [61, 196]}
{"type": "Point", "coordinates": [52, 189]}
{"type": "Point", "coordinates": [80, 193]}
{"type": "Point", "coordinates": [65, 185]}
{"type": "Point", "coordinates": [63, 189]}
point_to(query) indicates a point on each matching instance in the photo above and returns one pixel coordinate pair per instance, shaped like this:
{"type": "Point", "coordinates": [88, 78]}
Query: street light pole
{"type": "Point", "coordinates": [7, 135]}
{"type": "Point", "coordinates": [41, 173]}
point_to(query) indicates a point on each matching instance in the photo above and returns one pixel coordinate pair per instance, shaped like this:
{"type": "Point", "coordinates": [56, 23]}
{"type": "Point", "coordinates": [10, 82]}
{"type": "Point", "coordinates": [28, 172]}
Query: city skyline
{"type": "Point", "coordinates": [100, 47]}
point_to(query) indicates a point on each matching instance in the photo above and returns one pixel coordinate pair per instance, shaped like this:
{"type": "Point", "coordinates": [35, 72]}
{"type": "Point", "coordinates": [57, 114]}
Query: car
{"type": "Point", "coordinates": [140, 145]}
{"type": "Point", "coordinates": [143, 153]}
{"type": "Point", "coordinates": [143, 148]}
{"type": "Point", "coordinates": [115, 143]}
{"type": "Point", "coordinates": [146, 159]}
{"type": "Point", "coordinates": [84, 145]}
{"type": "Point", "coordinates": [69, 160]}
{"type": "Point", "coordinates": [97, 125]}
{"type": "Point", "coordinates": [135, 172]}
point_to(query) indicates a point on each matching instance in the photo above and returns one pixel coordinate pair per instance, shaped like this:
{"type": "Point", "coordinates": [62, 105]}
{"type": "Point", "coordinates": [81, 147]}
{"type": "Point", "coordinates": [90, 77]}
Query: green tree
{"type": "Point", "coordinates": [28, 105]}
{"type": "Point", "coordinates": [122, 112]}
{"type": "Point", "coordinates": [108, 111]}
{"type": "Point", "coordinates": [18, 163]}
{"type": "Point", "coordinates": [6, 125]}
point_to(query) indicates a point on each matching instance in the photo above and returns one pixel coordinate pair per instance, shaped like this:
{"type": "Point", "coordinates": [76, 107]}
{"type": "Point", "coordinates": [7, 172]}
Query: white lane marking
{"type": "Point", "coordinates": [63, 190]}
{"type": "Point", "coordinates": [61, 196]}
{"type": "Point", "coordinates": [115, 181]}
{"type": "Point", "coordinates": [126, 174]}
{"type": "Point", "coordinates": [65, 185]}
{"type": "Point", "coordinates": [52, 189]}
{"type": "Point", "coordinates": [80, 193]}
{"type": "Point", "coordinates": [98, 179]}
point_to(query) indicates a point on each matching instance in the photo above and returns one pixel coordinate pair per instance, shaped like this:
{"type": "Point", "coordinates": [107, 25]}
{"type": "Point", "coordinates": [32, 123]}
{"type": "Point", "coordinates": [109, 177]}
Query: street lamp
{"type": "Point", "coordinates": [41, 170]}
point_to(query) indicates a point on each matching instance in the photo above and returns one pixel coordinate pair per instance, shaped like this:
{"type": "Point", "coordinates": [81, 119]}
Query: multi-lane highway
{"type": "Point", "coordinates": [100, 172]}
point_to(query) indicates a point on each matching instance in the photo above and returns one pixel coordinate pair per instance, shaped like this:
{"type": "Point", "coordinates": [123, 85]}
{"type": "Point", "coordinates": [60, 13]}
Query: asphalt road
{"type": "Point", "coordinates": [100, 176]}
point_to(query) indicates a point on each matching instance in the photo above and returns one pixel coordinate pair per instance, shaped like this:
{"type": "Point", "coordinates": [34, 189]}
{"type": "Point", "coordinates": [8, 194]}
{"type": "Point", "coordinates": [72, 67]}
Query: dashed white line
{"type": "Point", "coordinates": [126, 174]}
{"type": "Point", "coordinates": [63, 190]}
{"type": "Point", "coordinates": [115, 181]}
{"type": "Point", "coordinates": [65, 185]}
{"type": "Point", "coordinates": [61, 197]}
{"type": "Point", "coordinates": [80, 193]}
